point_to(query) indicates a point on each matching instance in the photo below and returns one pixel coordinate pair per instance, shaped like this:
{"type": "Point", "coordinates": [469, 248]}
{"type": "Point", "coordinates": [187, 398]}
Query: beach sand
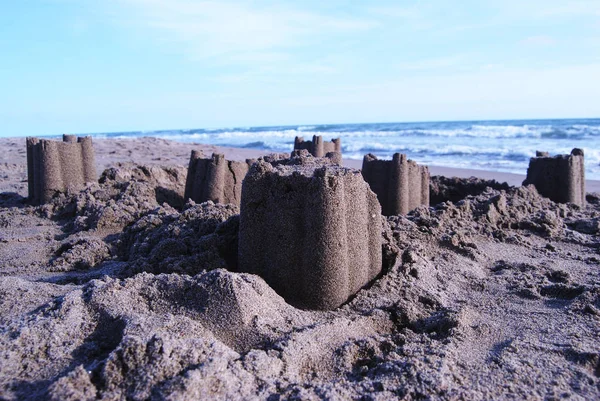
{"type": "Point", "coordinates": [119, 292]}
{"type": "Point", "coordinates": [156, 151]}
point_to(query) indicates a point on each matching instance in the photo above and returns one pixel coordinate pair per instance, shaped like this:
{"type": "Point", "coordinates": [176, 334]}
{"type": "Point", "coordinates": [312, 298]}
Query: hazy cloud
{"type": "Point", "coordinates": [209, 29]}
{"type": "Point", "coordinates": [539, 40]}
{"type": "Point", "coordinates": [433, 63]}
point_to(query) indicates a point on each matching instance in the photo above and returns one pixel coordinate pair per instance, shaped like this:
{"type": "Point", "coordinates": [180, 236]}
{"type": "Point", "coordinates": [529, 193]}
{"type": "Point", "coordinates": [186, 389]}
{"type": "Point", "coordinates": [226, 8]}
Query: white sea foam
{"type": "Point", "coordinates": [475, 131]}
{"type": "Point", "coordinates": [485, 145]}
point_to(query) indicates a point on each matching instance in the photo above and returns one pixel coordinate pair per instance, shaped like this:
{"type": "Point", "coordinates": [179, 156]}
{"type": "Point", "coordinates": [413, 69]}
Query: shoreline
{"type": "Point", "coordinates": [158, 151]}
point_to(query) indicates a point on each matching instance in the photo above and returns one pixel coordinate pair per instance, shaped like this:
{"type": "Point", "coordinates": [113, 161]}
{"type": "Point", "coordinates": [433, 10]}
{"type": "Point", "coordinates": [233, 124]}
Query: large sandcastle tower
{"type": "Point", "coordinates": [313, 233]}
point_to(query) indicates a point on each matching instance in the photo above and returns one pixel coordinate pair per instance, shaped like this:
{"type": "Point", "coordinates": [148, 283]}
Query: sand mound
{"type": "Point", "coordinates": [454, 189]}
{"type": "Point", "coordinates": [202, 237]}
{"type": "Point", "coordinates": [112, 293]}
{"type": "Point", "coordinates": [192, 321]}
{"type": "Point", "coordinates": [123, 195]}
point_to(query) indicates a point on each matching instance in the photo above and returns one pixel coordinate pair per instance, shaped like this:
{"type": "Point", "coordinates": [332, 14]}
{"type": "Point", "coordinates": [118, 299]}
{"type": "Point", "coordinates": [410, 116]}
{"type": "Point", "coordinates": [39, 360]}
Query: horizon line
{"type": "Point", "coordinates": [306, 125]}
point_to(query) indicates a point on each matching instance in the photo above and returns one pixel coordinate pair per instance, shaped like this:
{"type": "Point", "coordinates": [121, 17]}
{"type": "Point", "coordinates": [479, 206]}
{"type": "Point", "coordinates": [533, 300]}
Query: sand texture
{"type": "Point", "coordinates": [560, 178]}
{"type": "Point", "coordinates": [215, 179]}
{"type": "Point", "coordinates": [124, 291]}
{"type": "Point", "coordinates": [401, 184]}
{"type": "Point", "coordinates": [312, 232]}
{"type": "Point", "coordinates": [52, 166]}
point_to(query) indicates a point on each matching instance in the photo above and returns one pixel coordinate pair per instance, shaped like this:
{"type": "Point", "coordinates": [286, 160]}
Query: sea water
{"type": "Point", "coordinates": [503, 146]}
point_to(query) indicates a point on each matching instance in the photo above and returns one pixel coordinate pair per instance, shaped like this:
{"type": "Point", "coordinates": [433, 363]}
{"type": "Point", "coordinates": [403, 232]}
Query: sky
{"type": "Point", "coordinates": [83, 66]}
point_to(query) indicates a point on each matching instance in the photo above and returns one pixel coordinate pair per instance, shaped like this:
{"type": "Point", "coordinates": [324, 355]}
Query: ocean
{"type": "Point", "coordinates": [503, 146]}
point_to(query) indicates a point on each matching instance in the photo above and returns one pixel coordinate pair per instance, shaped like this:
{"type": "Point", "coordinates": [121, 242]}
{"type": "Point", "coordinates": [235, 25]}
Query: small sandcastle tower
{"type": "Point", "coordinates": [317, 147]}
{"type": "Point", "coordinates": [54, 166]}
{"type": "Point", "coordinates": [560, 178]}
{"type": "Point", "coordinates": [401, 185]}
{"type": "Point", "coordinates": [215, 179]}
{"type": "Point", "coordinates": [313, 232]}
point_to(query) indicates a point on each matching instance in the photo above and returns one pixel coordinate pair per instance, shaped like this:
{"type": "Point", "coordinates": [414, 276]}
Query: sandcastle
{"type": "Point", "coordinates": [54, 166]}
{"type": "Point", "coordinates": [560, 178]}
{"type": "Point", "coordinates": [215, 179]}
{"type": "Point", "coordinates": [220, 180]}
{"type": "Point", "coordinates": [312, 232]}
{"type": "Point", "coordinates": [329, 158]}
{"type": "Point", "coordinates": [400, 184]}
{"type": "Point", "coordinates": [317, 147]}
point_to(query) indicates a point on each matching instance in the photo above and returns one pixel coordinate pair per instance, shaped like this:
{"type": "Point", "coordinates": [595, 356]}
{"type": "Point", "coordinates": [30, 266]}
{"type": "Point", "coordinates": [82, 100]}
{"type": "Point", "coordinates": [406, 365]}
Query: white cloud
{"type": "Point", "coordinates": [548, 9]}
{"type": "Point", "coordinates": [570, 8]}
{"type": "Point", "coordinates": [270, 74]}
{"type": "Point", "coordinates": [433, 63]}
{"type": "Point", "coordinates": [210, 29]}
{"type": "Point", "coordinates": [487, 94]}
{"type": "Point", "coordinates": [539, 41]}
{"type": "Point", "coordinates": [402, 12]}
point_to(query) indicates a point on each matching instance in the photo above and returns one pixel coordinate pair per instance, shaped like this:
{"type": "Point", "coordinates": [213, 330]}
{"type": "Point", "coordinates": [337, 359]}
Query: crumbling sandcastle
{"type": "Point", "coordinates": [215, 179]}
{"type": "Point", "coordinates": [220, 180]}
{"type": "Point", "coordinates": [317, 147]}
{"type": "Point", "coordinates": [312, 232]}
{"type": "Point", "coordinates": [54, 166]}
{"type": "Point", "coordinates": [329, 158]}
{"type": "Point", "coordinates": [401, 185]}
{"type": "Point", "coordinates": [560, 178]}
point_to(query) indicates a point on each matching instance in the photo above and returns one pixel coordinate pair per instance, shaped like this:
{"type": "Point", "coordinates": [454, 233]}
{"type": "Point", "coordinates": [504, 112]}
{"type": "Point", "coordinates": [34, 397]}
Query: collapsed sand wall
{"type": "Point", "coordinates": [313, 233]}
{"type": "Point", "coordinates": [317, 147]}
{"type": "Point", "coordinates": [215, 179]}
{"type": "Point", "coordinates": [560, 178]}
{"type": "Point", "coordinates": [400, 184]}
{"type": "Point", "coordinates": [54, 166]}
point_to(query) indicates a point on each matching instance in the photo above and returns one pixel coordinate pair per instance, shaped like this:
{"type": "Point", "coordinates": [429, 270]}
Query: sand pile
{"type": "Point", "coordinates": [201, 237]}
{"type": "Point", "coordinates": [454, 189]}
{"type": "Point", "coordinates": [121, 292]}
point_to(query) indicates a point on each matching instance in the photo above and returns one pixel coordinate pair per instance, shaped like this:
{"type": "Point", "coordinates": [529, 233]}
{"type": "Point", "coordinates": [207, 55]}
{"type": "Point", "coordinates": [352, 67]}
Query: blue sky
{"type": "Point", "coordinates": [118, 65]}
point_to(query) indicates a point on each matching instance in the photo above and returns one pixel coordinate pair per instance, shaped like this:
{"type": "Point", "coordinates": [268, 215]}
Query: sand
{"type": "Point", "coordinates": [121, 291]}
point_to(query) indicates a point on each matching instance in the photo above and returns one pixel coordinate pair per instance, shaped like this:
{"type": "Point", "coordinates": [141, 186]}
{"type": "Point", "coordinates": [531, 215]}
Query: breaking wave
{"type": "Point", "coordinates": [494, 145]}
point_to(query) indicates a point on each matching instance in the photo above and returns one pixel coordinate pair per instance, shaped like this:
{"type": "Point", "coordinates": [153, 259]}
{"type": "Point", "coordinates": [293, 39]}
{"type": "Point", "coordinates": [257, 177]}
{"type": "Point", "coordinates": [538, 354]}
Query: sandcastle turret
{"type": "Point", "coordinates": [560, 178]}
{"type": "Point", "coordinates": [54, 166]}
{"type": "Point", "coordinates": [401, 185]}
{"type": "Point", "coordinates": [312, 232]}
{"type": "Point", "coordinates": [215, 179]}
{"type": "Point", "coordinates": [317, 147]}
